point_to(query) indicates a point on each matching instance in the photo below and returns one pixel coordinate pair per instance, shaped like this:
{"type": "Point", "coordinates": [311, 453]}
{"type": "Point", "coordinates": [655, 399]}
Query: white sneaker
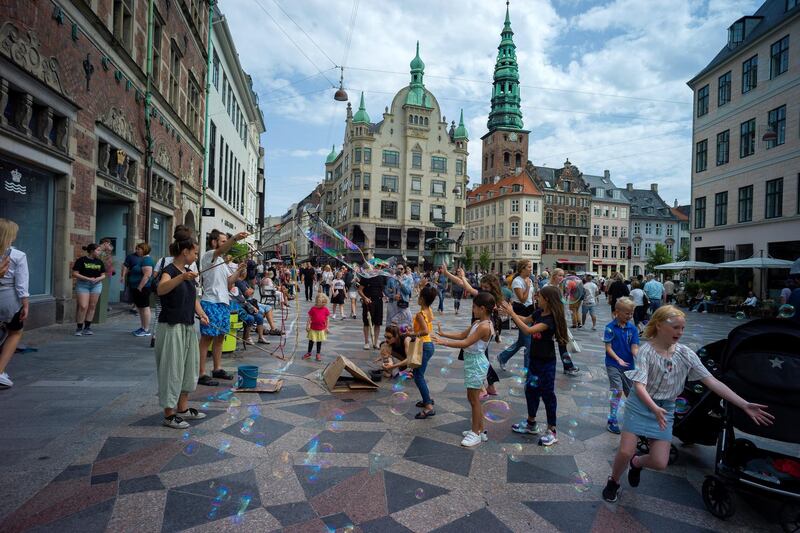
{"type": "Point", "coordinates": [484, 434]}
{"type": "Point", "coordinates": [366, 346]}
{"type": "Point", "coordinates": [191, 414]}
{"type": "Point", "coordinates": [5, 381]}
{"type": "Point", "coordinates": [175, 422]}
{"type": "Point", "coordinates": [334, 316]}
{"type": "Point", "coordinates": [471, 439]}
{"type": "Point", "coordinates": [548, 439]}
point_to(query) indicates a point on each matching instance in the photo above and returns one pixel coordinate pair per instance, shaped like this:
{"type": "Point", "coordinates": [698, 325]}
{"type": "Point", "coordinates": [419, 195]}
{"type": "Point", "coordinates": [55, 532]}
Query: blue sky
{"type": "Point", "coordinates": [603, 83]}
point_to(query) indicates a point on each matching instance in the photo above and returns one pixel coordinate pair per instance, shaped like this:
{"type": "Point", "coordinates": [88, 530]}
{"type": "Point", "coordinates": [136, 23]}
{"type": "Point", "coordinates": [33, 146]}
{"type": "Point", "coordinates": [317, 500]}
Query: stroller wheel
{"type": "Point", "coordinates": [717, 498]}
{"type": "Point", "coordinates": [673, 454]}
{"type": "Point", "coordinates": [643, 445]}
{"type": "Point", "coordinates": [790, 517]}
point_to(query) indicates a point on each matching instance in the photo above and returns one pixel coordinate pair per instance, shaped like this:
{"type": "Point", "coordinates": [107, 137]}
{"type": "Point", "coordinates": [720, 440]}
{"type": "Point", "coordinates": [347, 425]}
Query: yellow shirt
{"type": "Point", "coordinates": [428, 322]}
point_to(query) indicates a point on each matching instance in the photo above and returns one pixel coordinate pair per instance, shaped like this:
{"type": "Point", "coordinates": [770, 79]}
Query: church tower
{"type": "Point", "coordinates": [505, 146]}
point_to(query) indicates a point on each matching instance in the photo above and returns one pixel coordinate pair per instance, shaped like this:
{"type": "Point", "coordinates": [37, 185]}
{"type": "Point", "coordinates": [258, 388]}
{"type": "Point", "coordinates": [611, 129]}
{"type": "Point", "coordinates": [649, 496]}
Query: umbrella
{"type": "Point", "coordinates": [275, 260]}
{"type": "Point", "coordinates": [682, 265]}
{"type": "Point", "coordinates": [757, 262]}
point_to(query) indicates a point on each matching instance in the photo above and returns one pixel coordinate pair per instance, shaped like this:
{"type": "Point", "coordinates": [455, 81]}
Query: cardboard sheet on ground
{"type": "Point", "coordinates": [336, 382]}
{"type": "Point", "coordinates": [265, 385]}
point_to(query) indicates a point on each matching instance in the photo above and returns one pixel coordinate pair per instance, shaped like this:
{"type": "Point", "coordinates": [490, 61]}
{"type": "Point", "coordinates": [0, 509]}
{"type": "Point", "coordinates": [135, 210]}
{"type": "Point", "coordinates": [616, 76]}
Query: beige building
{"type": "Point", "coordinates": [609, 221]}
{"type": "Point", "coordinates": [746, 159]}
{"type": "Point", "coordinates": [393, 179]}
{"type": "Point", "coordinates": [504, 218]}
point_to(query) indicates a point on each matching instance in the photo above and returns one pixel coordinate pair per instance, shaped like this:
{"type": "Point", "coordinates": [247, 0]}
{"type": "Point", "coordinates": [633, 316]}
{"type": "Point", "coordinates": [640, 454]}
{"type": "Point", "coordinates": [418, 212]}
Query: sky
{"type": "Point", "coordinates": [603, 84]}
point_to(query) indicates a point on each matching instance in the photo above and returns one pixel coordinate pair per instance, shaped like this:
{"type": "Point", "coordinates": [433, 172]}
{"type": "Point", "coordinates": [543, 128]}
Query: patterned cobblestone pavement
{"type": "Point", "coordinates": [304, 459]}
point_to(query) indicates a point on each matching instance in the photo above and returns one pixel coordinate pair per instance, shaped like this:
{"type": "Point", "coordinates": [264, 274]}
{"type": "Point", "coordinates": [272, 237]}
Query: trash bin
{"type": "Point", "coordinates": [101, 311]}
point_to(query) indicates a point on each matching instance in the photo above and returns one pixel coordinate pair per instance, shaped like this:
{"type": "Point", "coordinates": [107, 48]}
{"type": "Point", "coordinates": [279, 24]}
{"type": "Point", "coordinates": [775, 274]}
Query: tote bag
{"type": "Point", "coordinates": [414, 354]}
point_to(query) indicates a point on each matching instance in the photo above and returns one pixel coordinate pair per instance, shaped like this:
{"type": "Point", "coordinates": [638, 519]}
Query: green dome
{"type": "Point", "coordinates": [332, 156]}
{"type": "Point", "coordinates": [461, 130]}
{"type": "Point", "coordinates": [361, 115]}
{"type": "Point", "coordinates": [416, 63]}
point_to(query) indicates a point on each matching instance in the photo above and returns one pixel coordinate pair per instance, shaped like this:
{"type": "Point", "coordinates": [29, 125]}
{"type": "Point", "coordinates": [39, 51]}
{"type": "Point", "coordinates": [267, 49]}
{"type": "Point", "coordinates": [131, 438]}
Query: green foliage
{"type": "Point", "coordinates": [469, 257]}
{"type": "Point", "coordinates": [659, 255]}
{"type": "Point", "coordinates": [485, 259]}
{"type": "Point", "coordinates": [723, 288]}
{"type": "Point", "coordinates": [683, 254]}
{"type": "Point", "coordinates": [239, 252]}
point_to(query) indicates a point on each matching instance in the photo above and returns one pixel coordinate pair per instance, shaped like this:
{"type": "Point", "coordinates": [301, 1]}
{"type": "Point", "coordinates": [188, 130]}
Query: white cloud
{"type": "Point", "coordinates": [632, 48]}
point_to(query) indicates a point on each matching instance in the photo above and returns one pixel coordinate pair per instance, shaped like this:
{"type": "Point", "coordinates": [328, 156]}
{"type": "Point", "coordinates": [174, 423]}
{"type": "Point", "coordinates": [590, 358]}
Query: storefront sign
{"type": "Point", "coordinates": [119, 189]}
{"type": "Point", "coordinates": [15, 184]}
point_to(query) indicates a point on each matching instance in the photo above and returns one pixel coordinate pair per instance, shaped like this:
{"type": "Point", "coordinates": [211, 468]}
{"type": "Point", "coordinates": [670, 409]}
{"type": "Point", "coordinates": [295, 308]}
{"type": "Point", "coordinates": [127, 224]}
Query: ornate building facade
{"type": "Point", "coordinates": [610, 213]}
{"type": "Point", "coordinates": [394, 179]}
{"type": "Point", "coordinates": [76, 155]}
{"type": "Point", "coordinates": [651, 223]}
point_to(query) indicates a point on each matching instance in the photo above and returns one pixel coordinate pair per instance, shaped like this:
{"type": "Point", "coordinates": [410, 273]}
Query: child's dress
{"type": "Point", "coordinates": [475, 362]}
{"type": "Point", "coordinates": [319, 316]}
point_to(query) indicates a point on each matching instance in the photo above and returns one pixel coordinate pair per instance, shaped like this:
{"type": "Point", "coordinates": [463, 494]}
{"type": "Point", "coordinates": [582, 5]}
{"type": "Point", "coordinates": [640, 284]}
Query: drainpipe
{"type": "Point", "coordinates": [206, 127]}
{"type": "Point", "coordinates": [148, 105]}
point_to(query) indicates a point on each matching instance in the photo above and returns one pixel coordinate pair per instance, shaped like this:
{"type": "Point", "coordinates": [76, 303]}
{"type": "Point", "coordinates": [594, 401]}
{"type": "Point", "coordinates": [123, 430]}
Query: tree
{"type": "Point", "coordinates": [657, 256]}
{"type": "Point", "coordinates": [485, 260]}
{"type": "Point", "coordinates": [469, 258]}
{"type": "Point", "coordinates": [683, 254]}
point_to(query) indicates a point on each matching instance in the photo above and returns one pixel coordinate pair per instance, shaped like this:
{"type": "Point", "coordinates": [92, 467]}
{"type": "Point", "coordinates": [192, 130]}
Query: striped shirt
{"type": "Point", "coordinates": [664, 378]}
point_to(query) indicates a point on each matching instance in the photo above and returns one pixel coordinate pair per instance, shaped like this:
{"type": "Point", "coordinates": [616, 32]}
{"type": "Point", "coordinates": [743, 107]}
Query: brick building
{"type": "Point", "coordinates": [73, 134]}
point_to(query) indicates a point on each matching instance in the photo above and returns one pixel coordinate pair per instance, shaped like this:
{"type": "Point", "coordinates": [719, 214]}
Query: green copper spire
{"type": "Point", "coordinates": [461, 130]}
{"type": "Point", "coordinates": [416, 92]}
{"type": "Point", "coordinates": [506, 113]}
{"type": "Point", "coordinates": [361, 115]}
{"type": "Point", "coordinates": [332, 156]}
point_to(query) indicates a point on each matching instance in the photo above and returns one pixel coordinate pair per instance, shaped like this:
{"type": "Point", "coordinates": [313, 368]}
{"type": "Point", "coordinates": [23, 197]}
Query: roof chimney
{"type": "Point", "coordinates": [654, 187]}
{"type": "Point", "coordinates": [629, 186]}
{"type": "Point", "coordinates": [676, 202]}
{"type": "Point", "coordinates": [607, 174]}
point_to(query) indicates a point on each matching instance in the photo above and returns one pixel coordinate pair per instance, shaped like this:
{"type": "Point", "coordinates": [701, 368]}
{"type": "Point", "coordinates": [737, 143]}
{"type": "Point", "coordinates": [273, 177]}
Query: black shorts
{"type": "Point", "coordinates": [15, 324]}
{"type": "Point", "coordinates": [141, 298]}
{"type": "Point", "coordinates": [375, 312]}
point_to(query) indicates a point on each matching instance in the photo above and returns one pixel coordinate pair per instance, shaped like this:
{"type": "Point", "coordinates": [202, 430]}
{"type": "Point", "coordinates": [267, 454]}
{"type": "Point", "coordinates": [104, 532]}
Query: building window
{"type": "Point", "coordinates": [500, 230]}
{"type": "Point", "coordinates": [122, 19]}
{"type": "Point", "coordinates": [648, 228]}
{"type": "Point", "coordinates": [158, 30]}
{"type": "Point", "coordinates": [367, 155]}
{"type": "Point", "coordinates": [388, 209]}
{"type": "Point", "coordinates": [571, 243]}
{"type": "Point", "coordinates": [415, 210]}
{"type": "Point", "coordinates": [357, 156]}
{"type": "Point", "coordinates": [212, 154]}
{"type": "Point", "coordinates": [605, 251]}
{"type": "Point", "coordinates": [391, 158]}
{"type": "Point", "coordinates": [515, 206]}
{"type": "Point", "coordinates": [438, 164]}
{"type": "Point", "coordinates": [791, 4]}
{"type": "Point", "coordinates": [559, 242]}
{"type": "Point", "coordinates": [365, 208]}
{"type": "Point", "coordinates": [356, 180]}
{"type": "Point", "coordinates": [669, 230]}
{"type": "Point", "coordinates": [459, 167]}
{"type": "Point", "coordinates": [389, 183]}
{"type": "Point", "coordinates": [416, 159]}
{"type": "Point", "coordinates": [527, 229]}
{"type": "Point", "coordinates": [438, 188]}
{"type": "Point", "coordinates": [515, 229]}
{"type": "Point", "coordinates": [700, 213]}
{"type": "Point", "coordinates": [193, 113]}
{"type": "Point", "coordinates": [595, 250]}
{"type": "Point", "coordinates": [459, 214]}
{"type": "Point", "coordinates": [701, 156]}
{"type": "Point", "coordinates": [750, 74]}
{"type": "Point", "coordinates": [614, 231]}
{"type": "Point", "coordinates": [548, 241]}
{"type": "Point", "coordinates": [774, 203]}
{"type": "Point", "coordinates": [215, 71]}
{"type": "Point", "coordinates": [416, 184]}
{"type": "Point", "coordinates": [528, 206]}
{"type": "Point", "coordinates": [724, 89]}
{"type": "Point", "coordinates": [560, 220]}
{"type": "Point", "coordinates": [437, 213]}
{"type": "Point", "coordinates": [776, 121]}
{"type": "Point", "coordinates": [702, 101]}
{"type": "Point", "coordinates": [596, 230]}
{"type": "Point", "coordinates": [747, 138]}
{"type": "Point", "coordinates": [613, 252]}
{"type": "Point", "coordinates": [605, 231]}
{"type": "Point", "coordinates": [779, 57]}
{"type": "Point", "coordinates": [356, 207]}
{"type": "Point", "coordinates": [174, 74]}
{"type": "Point", "coordinates": [723, 147]}
{"type": "Point", "coordinates": [636, 252]}
{"type": "Point", "coordinates": [721, 208]}
{"type": "Point", "coordinates": [366, 180]}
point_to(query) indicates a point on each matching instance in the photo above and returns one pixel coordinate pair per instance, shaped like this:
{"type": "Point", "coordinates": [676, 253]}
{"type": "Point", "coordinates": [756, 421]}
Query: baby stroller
{"type": "Point", "coordinates": [761, 363]}
{"type": "Point", "coordinates": [698, 412]}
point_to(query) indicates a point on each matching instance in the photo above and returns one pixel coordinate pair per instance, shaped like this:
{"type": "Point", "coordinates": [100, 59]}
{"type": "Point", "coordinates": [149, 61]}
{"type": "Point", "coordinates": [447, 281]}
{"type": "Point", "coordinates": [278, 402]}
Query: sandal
{"type": "Point", "coordinates": [422, 415]}
{"type": "Point", "coordinates": [421, 405]}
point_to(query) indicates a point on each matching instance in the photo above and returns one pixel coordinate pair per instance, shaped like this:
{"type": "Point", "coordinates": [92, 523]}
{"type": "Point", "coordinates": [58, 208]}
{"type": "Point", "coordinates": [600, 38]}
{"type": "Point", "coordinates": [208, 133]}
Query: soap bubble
{"type": "Point", "coordinates": [334, 420]}
{"type": "Point", "coordinates": [532, 381]}
{"type": "Point", "coordinates": [448, 360]}
{"type": "Point", "coordinates": [244, 502]}
{"type": "Point", "coordinates": [186, 436]}
{"type": "Point", "coordinates": [581, 481]}
{"type": "Point", "coordinates": [204, 406]}
{"type": "Point", "coordinates": [496, 411]}
{"type": "Point", "coordinates": [398, 403]}
{"type": "Point", "coordinates": [235, 401]}
{"type": "Point", "coordinates": [233, 412]}
{"type": "Point", "coordinates": [223, 447]}
{"type": "Point", "coordinates": [444, 371]}
{"type": "Point", "coordinates": [261, 440]}
{"type": "Point", "coordinates": [786, 311]}
{"type": "Point", "coordinates": [419, 493]}
{"type": "Point", "coordinates": [247, 426]}
{"type": "Point", "coordinates": [513, 451]}
{"type": "Point", "coordinates": [740, 315]}
{"type": "Point", "coordinates": [254, 410]}
{"type": "Point", "coordinates": [191, 448]}
{"type": "Point", "coordinates": [681, 406]}
{"type": "Point", "coordinates": [698, 389]}
{"type": "Point", "coordinates": [516, 391]}
{"type": "Point", "coordinates": [701, 352]}
{"type": "Point", "coordinates": [572, 423]}
{"type": "Point", "coordinates": [326, 447]}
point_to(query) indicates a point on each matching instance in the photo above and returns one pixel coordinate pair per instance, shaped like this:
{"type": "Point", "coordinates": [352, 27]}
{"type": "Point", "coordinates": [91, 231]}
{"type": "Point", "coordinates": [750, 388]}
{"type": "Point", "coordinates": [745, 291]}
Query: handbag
{"type": "Point", "coordinates": [572, 344]}
{"type": "Point", "coordinates": [414, 353]}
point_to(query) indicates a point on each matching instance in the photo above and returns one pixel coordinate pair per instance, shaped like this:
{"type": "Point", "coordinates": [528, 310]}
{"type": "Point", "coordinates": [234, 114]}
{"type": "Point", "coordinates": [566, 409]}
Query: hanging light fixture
{"type": "Point", "coordinates": [770, 135]}
{"type": "Point", "coordinates": [341, 94]}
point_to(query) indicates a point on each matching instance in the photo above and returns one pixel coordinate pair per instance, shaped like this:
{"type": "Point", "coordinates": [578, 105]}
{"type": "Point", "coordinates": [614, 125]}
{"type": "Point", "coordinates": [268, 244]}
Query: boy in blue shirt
{"type": "Point", "coordinates": [621, 338]}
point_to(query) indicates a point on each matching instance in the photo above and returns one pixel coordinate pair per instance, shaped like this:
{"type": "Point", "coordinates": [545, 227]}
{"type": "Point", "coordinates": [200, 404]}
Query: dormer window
{"type": "Point", "coordinates": [567, 185]}
{"type": "Point", "coordinates": [736, 33]}
{"type": "Point", "coordinates": [516, 188]}
{"type": "Point", "coordinates": [600, 192]}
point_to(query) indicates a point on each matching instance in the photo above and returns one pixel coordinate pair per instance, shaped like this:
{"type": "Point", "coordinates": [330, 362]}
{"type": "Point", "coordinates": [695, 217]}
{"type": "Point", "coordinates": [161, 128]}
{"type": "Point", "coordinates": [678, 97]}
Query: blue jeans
{"type": "Point", "coordinates": [523, 342]}
{"type": "Point", "coordinates": [541, 386]}
{"type": "Point", "coordinates": [419, 373]}
{"type": "Point", "coordinates": [654, 305]}
{"type": "Point", "coordinates": [441, 300]}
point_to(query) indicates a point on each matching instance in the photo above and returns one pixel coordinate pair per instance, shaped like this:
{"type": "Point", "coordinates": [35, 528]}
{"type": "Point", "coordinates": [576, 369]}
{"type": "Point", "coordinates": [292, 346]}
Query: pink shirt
{"type": "Point", "coordinates": [319, 317]}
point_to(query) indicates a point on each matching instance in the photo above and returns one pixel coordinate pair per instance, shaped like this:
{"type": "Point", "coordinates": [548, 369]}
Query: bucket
{"type": "Point", "coordinates": [248, 376]}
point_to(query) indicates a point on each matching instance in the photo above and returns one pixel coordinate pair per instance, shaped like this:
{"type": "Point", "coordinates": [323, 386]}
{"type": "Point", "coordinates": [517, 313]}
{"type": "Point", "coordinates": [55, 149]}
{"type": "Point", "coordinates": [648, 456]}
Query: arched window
{"type": "Point", "coordinates": [518, 160]}
{"type": "Point", "coordinates": [506, 158]}
{"type": "Point", "coordinates": [426, 121]}
{"type": "Point", "coordinates": [491, 160]}
{"type": "Point", "coordinates": [560, 218]}
{"type": "Point", "coordinates": [485, 162]}
{"type": "Point", "coordinates": [416, 119]}
{"type": "Point", "coordinates": [572, 220]}
{"type": "Point", "coordinates": [410, 119]}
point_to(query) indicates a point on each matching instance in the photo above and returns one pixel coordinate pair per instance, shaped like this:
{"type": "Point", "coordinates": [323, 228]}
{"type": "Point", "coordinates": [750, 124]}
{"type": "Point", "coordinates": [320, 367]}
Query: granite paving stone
{"type": "Point", "coordinates": [447, 457]}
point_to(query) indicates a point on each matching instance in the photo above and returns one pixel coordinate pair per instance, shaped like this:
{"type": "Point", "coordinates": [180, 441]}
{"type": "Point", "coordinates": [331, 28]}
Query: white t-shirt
{"type": "Point", "coordinates": [327, 276]}
{"type": "Point", "coordinates": [519, 283]}
{"type": "Point", "coordinates": [637, 295]}
{"type": "Point", "coordinates": [215, 281]}
{"type": "Point", "coordinates": [338, 285]}
{"type": "Point", "coordinates": [590, 292]}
